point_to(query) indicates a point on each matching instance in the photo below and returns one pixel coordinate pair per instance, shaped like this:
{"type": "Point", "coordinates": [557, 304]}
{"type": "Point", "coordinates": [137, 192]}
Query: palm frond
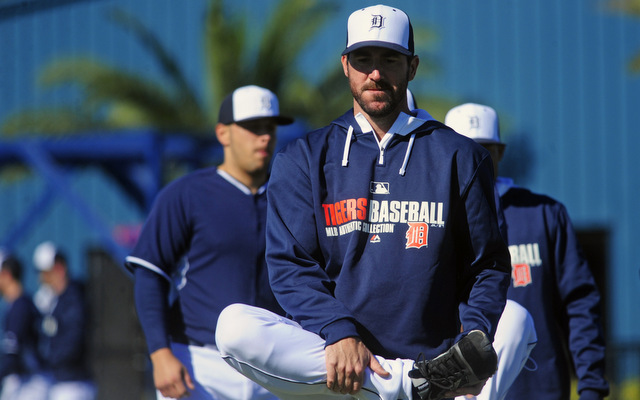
{"type": "Point", "coordinates": [105, 87]}
{"type": "Point", "coordinates": [634, 64]}
{"type": "Point", "coordinates": [627, 6]}
{"type": "Point", "coordinates": [184, 93]}
{"type": "Point", "coordinates": [320, 103]}
{"type": "Point", "coordinates": [291, 26]}
{"type": "Point", "coordinates": [48, 122]}
{"type": "Point", "coordinates": [224, 41]}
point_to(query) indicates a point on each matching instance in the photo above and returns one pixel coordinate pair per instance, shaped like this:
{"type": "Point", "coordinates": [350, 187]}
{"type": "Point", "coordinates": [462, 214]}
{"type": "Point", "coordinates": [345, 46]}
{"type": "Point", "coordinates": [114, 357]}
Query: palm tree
{"type": "Point", "coordinates": [631, 7]}
{"type": "Point", "coordinates": [115, 99]}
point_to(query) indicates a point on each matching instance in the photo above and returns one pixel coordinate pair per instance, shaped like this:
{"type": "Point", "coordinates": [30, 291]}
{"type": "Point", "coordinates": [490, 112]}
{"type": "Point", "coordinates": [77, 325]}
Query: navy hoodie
{"type": "Point", "coordinates": [552, 279]}
{"type": "Point", "coordinates": [63, 336]}
{"type": "Point", "coordinates": [393, 241]}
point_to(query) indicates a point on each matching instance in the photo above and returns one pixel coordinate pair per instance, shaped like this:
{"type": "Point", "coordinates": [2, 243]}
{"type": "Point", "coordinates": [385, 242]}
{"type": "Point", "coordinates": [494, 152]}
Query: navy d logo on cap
{"type": "Point", "coordinates": [377, 21]}
{"type": "Point", "coordinates": [251, 102]}
{"type": "Point", "coordinates": [380, 26]}
{"type": "Point", "coordinates": [475, 121]}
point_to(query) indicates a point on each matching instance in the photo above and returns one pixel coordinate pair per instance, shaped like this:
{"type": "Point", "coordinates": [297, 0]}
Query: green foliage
{"type": "Point", "coordinates": [50, 121]}
{"type": "Point", "coordinates": [112, 98]}
{"type": "Point", "coordinates": [631, 7]}
{"type": "Point", "coordinates": [628, 6]}
{"type": "Point", "coordinates": [271, 62]}
{"type": "Point", "coordinates": [634, 64]}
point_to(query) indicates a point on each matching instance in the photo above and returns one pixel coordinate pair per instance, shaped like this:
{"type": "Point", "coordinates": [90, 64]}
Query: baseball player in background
{"type": "Point", "coordinates": [205, 239]}
{"type": "Point", "coordinates": [382, 238]}
{"type": "Point", "coordinates": [515, 336]}
{"type": "Point", "coordinates": [550, 277]}
{"type": "Point", "coordinates": [63, 333]}
{"type": "Point", "coordinates": [20, 367]}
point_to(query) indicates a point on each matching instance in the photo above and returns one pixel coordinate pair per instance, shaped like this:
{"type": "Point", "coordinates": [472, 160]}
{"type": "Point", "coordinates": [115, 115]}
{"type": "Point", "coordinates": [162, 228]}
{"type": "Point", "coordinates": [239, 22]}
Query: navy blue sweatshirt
{"type": "Point", "coordinates": [393, 241]}
{"type": "Point", "coordinates": [63, 336]}
{"type": "Point", "coordinates": [19, 338]}
{"type": "Point", "coordinates": [206, 236]}
{"type": "Point", "coordinates": [552, 279]}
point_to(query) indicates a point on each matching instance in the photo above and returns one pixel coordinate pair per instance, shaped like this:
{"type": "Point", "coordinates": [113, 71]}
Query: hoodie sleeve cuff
{"type": "Point", "coordinates": [590, 395]}
{"type": "Point", "coordinates": [338, 330]}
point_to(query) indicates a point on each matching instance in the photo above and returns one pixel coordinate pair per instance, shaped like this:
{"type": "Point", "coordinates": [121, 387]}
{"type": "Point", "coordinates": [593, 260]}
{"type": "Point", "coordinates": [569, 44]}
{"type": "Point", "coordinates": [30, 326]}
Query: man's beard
{"type": "Point", "coordinates": [395, 97]}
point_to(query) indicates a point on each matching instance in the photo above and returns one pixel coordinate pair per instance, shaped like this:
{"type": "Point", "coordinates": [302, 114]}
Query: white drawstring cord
{"type": "Point", "coordinates": [347, 144]}
{"type": "Point", "coordinates": [406, 155]}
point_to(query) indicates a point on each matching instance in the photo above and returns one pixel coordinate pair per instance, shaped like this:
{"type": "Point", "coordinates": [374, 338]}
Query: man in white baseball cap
{"type": "Point", "coordinates": [383, 243]}
{"type": "Point", "coordinates": [208, 228]}
{"type": "Point", "coordinates": [546, 258]}
{"type": "Point", "coordinates": [20, 374]}
{"type": "Point", "coordinates": [63, 339]}
{"type": "Point", "coordinates": [480, 123]}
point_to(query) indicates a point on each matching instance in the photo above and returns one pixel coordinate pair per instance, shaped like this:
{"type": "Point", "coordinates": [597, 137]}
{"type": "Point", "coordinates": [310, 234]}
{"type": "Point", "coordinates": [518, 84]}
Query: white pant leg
{"type": "Point", "coordinates": [17, 387]}
{"type": "Point", "coordinates": [514, 339]}
{"type": "Point", "coordinates": [289, 361]}
{"type": "Point", "coordinates": [213, 378]}
{"type": "Point", "coordinates": [72, 390]}
{"type": "Point", "coordinates": [33, 388]}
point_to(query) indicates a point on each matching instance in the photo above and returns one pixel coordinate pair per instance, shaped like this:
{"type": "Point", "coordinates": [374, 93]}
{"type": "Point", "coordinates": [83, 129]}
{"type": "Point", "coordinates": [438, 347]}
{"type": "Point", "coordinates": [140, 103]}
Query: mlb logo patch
{"type": "Point", "coordinates": [521, 274]}
{"type": "Point", "coordinates": [379, 187]}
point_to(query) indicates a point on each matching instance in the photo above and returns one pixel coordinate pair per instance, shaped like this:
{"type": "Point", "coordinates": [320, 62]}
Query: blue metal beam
{"type": "Point", "coordinates": [122, 154]}
{"type": "Point", "coordinates": [58, 183]}
{"type": "Point", "coordinates": [15, 8]}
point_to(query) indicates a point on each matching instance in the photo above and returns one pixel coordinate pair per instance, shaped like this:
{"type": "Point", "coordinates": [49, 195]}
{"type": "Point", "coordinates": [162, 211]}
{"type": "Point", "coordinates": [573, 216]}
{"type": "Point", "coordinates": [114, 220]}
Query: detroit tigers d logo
{"type": "Point", "coordinates": [377, 21]}
{"type": "Point", "coordinates": [417, 235]}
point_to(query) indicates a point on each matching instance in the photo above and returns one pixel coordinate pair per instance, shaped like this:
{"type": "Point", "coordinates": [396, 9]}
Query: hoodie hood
{"type": "Point", "coordinates": [349, 119]}
{"type": "Point", "coordinates": [404, 125]}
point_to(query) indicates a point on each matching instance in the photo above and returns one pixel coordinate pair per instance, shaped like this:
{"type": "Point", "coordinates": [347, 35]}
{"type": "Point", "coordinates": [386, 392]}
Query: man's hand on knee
{"type": "Point", "coordinates": [346, 362]}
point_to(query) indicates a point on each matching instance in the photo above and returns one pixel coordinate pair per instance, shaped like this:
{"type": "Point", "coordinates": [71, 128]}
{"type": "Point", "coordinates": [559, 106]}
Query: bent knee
{"type": "Point", "coordinates": [234, 329]}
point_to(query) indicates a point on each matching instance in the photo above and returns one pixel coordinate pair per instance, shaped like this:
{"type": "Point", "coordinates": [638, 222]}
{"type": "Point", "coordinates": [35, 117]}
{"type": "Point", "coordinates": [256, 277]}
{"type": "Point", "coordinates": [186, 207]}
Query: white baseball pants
{"type": "Point", "coordinates": [288, 361]}
{"type": "Point", "coordinates": [515, 338]}
{"type": "Point", "coordinates": [213, 378]}
{"type": "Point", "coordinates": [15, 387]}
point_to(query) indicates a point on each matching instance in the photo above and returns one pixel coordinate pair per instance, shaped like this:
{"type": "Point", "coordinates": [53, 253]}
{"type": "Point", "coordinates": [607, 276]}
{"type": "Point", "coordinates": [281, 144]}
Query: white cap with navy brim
{"type": "Point", "coordinates": [380, 26]}
{"type": "Point", "coordinates": [44, 256]}
{"type": "Point", "coordinates": [251, 102]}
{"type": "Point", "coordinates": [475, 121]}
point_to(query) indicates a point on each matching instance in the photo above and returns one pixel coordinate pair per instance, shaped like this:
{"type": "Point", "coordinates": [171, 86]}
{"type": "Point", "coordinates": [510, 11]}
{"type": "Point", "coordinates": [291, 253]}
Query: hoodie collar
{"type": "Point", "coordinates": [403, 125]}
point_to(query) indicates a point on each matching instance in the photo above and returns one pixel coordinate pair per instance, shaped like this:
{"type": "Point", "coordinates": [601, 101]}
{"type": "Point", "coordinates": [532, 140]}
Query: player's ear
{"type": "Point", "coordinates": [413, 66]}
{"type": "Point", "coordinates": [222, 133]}
{"type": "Point", "coordinates": [345, 60]}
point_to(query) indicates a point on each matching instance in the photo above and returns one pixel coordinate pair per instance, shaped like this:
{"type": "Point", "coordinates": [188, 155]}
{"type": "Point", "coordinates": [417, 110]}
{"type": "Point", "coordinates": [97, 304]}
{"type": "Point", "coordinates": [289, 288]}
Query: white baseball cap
{"type": "Point", "coordinates": [476, 121]}
{"type": "Point", "coordinates": [251, 102]}
{"type": "Point", "coordinates": [380, 26]}
{"type": "Point", "coordinates": [44, 256]}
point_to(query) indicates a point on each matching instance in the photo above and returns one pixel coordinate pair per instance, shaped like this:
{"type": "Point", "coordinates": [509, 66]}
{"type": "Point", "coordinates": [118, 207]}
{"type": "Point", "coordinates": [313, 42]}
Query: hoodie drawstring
{"type": "Point", "coordinates": [407, 154]}
{"type": "Point", "coordinates": [347, 145]}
